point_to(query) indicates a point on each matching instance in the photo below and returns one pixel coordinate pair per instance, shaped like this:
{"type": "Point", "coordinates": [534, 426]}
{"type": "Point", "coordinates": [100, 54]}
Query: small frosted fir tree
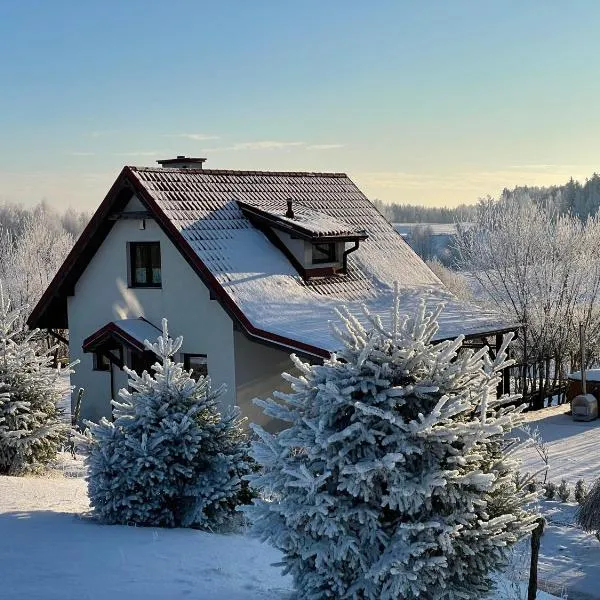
{"type": "Point", "coordinates": [169, 459]}
{"type": "Point", "coordinates": [588, 515]}
{"type": "Point", "coordinates": [394, 479]}
{"type": "Point", "coordinates": [31, 426]}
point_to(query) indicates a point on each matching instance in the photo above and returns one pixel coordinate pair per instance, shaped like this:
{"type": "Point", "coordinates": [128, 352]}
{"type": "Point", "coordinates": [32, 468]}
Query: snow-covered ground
{"type": "Point", "coordinates": [50, 550]}
{"type": "Point", "coordinates": [570, 558]}
{"type": "Point", "coordinates": [572, 446]}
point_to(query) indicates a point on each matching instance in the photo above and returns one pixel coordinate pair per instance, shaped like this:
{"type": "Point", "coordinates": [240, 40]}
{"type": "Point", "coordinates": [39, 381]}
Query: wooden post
{"type": "Point", "coordinates": [536, 538]}
{"type": "Point", "coordinates": [500, 386]}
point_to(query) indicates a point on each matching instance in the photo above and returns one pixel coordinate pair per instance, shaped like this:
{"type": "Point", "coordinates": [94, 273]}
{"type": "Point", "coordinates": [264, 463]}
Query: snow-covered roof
{"type": "Point", "coordinates": [199, 209]}
{"type": "Point", "coordinates": [203, 206]}
{"type": "Point", "coordinates": [311, 222]}
{"type": "Point", "coordinates": [133, 332]}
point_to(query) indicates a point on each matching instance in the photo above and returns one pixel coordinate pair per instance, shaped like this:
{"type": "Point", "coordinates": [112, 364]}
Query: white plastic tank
{"type": "Point", "coordinates": [584, 407]}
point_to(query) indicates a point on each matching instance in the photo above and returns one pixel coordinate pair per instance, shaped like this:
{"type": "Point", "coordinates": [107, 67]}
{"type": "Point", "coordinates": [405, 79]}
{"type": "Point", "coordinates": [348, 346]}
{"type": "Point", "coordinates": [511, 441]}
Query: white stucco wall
{"type": "Point", "coordinates": [302, 250]}
{"type": "Point", "coordinates": [101, 295]}
{"type": "Point", "coordinates": [258, 371]}
{"type": "Point", "coordinates": [298, 247]}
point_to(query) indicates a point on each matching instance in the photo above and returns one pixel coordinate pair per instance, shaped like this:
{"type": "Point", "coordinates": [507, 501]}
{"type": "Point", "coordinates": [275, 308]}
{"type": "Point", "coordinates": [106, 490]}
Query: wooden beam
{"type": "Point", "coordinates": [131, 214]}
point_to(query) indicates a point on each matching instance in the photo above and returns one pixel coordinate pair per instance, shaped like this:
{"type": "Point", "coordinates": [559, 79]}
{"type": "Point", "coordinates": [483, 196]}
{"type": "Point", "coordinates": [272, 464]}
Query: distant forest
{"type": "Point", "coordinates": [580, 200]}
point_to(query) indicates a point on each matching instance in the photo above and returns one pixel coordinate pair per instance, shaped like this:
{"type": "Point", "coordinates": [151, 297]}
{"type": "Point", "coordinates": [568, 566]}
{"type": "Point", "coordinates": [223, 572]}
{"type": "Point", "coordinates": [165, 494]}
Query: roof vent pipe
{"type": "Point", "coordinates": [289, 213]}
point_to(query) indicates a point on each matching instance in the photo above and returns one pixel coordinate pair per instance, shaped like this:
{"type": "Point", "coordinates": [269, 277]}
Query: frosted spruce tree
{"type": "Point", "coordinates": [31, 426]}
{"type": "Point", "coordinates": [394, 479]}
{"type": "Point", "coordinates": [169, 459]}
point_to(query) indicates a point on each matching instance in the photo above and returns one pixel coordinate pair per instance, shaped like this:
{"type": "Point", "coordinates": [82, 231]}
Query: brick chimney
{"type": "Point", "coordinates": [182, 162]}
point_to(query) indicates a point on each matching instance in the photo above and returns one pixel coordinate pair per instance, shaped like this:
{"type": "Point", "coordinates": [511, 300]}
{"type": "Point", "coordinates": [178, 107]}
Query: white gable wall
{"type": "Point", "coordinates": [102, 295]}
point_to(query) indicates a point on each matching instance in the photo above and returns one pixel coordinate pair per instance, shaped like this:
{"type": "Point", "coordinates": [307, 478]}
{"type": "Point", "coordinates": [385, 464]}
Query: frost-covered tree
{"type": "Point", "coordinates": [30, 258]}
{"type": "Point", "coordinates": [31, 428]}
{"type": "Point", "coordinates": [395, 478]}
{"type": "Point", "coordinates": [542, 269]}
{"type": "Point", "coordinates": [169, 459]}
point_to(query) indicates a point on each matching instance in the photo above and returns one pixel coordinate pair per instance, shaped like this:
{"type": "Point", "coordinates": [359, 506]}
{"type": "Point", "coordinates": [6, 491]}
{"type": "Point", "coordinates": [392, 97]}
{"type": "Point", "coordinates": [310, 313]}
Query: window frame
{"type": "Point", "coordinates": [331, 254]}
{"type": "Point", "coordinates": [98, 358]}
{"type": "Point", "coordinates": [132, 251]}
{"type": "Point", "coordinates": [186, 362]}
{"type": "Point", "coordinates": [99, 364]}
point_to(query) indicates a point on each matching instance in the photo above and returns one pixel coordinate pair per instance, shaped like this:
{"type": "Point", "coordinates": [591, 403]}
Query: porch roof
{"type": "Point", "coordinates": [131, 332]}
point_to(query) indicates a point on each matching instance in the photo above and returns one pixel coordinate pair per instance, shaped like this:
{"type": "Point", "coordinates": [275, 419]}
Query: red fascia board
{"type": "Point", "coordinates": [298, 229]}
{"type": "Point", "coordinates": [111, 330]}
{"type": "Point", "coordinates": [99, 219]}
{"type": "Point", "coordinates": [210, 280]}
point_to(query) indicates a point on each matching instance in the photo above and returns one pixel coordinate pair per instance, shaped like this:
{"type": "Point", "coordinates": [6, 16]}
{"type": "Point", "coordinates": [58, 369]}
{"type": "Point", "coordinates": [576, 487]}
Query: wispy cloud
{"type": "Point", "coordinates": [141, 153]}
{"type": "Point", "coordinates": [324, 146]}
{"type": "Point", "coordinates": [102, 132]}
{"type": "Point", "coordinates": [265, 145]}
{"type": "Point", "coordinates": [196, 137]}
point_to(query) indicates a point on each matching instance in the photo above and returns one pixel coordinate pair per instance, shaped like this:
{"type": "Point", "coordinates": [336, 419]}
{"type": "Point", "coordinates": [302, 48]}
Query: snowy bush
{"type": "Point", "coordinates": [169, 459]}
{"type": "Point", "coordinates": [532, 485]}
{"type": "Point", "coordinates": [550, 490]}
{"type": "Point", "coordinates": [563, 491]}
{"type": "Point", "coordinates": [395, 478]}
{"type": "Point", "coordinates": [31, 428]}
{"type": "Point", "coordinates": [580, 491]}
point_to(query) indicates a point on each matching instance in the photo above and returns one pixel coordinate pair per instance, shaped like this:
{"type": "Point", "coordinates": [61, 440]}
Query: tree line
{"type": "Point", "coordinates": [34, 243]}
{"type": "Point", "coordinates": [578, 199]}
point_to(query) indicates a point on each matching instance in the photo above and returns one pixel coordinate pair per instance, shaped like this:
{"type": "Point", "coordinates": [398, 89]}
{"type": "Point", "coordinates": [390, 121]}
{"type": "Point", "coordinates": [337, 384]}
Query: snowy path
{"type": "Point", "coordinates": [573, 446]}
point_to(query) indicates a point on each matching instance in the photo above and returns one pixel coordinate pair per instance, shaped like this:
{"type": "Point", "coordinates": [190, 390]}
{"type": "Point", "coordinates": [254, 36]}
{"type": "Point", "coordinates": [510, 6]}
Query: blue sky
{"type": "Point", "coordinates": [431, 102]}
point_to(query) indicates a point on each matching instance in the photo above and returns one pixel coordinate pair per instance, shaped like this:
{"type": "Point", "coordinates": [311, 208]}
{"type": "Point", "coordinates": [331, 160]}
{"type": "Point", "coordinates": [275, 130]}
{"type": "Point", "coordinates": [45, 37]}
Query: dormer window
{"type": "Point", "coordinates": [317, 244]}
{"type": "Point", "coordinates": [323, 253]}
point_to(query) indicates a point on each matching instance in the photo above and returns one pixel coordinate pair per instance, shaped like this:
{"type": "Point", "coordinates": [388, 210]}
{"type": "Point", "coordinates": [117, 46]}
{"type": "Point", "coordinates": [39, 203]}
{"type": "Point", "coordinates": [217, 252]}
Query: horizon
{"type": "Point", "coordinates": [434, 105]}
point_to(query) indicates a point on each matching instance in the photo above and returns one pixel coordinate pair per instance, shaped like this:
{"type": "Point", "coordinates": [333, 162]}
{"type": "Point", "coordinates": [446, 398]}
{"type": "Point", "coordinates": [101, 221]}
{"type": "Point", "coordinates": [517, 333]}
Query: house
{"type": "Point", "coordinates": [248, 266]}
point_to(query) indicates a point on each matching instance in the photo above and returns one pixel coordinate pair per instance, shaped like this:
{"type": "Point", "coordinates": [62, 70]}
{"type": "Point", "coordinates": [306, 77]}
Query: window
{"type": "Point", "coordinates": [197, 363]}
{"type": "Point", "coordinates": [145, 264]}
{"type": "Point", "coordinates": [101, 362]}
{"type": "Point", "coordinates": [102, 357]}
{"type": "Point", "coordinates": [323, 253]}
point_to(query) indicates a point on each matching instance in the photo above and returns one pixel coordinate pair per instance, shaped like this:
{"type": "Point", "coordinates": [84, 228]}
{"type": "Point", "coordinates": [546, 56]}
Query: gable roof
{"type": "Point", "coordinates": [199, 210]}
{"type": "Point", "coordinates": [131, 332]}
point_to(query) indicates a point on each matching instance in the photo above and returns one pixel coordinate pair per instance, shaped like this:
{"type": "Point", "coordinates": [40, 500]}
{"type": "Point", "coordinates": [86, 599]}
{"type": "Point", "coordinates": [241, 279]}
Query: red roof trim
{"type": "Point", "coordinates": [96, 231]}
{"type": "Point", "coordinates": [212, 283]}
{"type": "Point", "coordinates": [107, 331]}
{"type": "Point", "coordinates": [79, 256]}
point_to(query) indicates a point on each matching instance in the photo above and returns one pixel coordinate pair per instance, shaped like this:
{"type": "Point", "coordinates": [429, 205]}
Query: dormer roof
{"type": "Point", "coordinates": [306, 223]}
